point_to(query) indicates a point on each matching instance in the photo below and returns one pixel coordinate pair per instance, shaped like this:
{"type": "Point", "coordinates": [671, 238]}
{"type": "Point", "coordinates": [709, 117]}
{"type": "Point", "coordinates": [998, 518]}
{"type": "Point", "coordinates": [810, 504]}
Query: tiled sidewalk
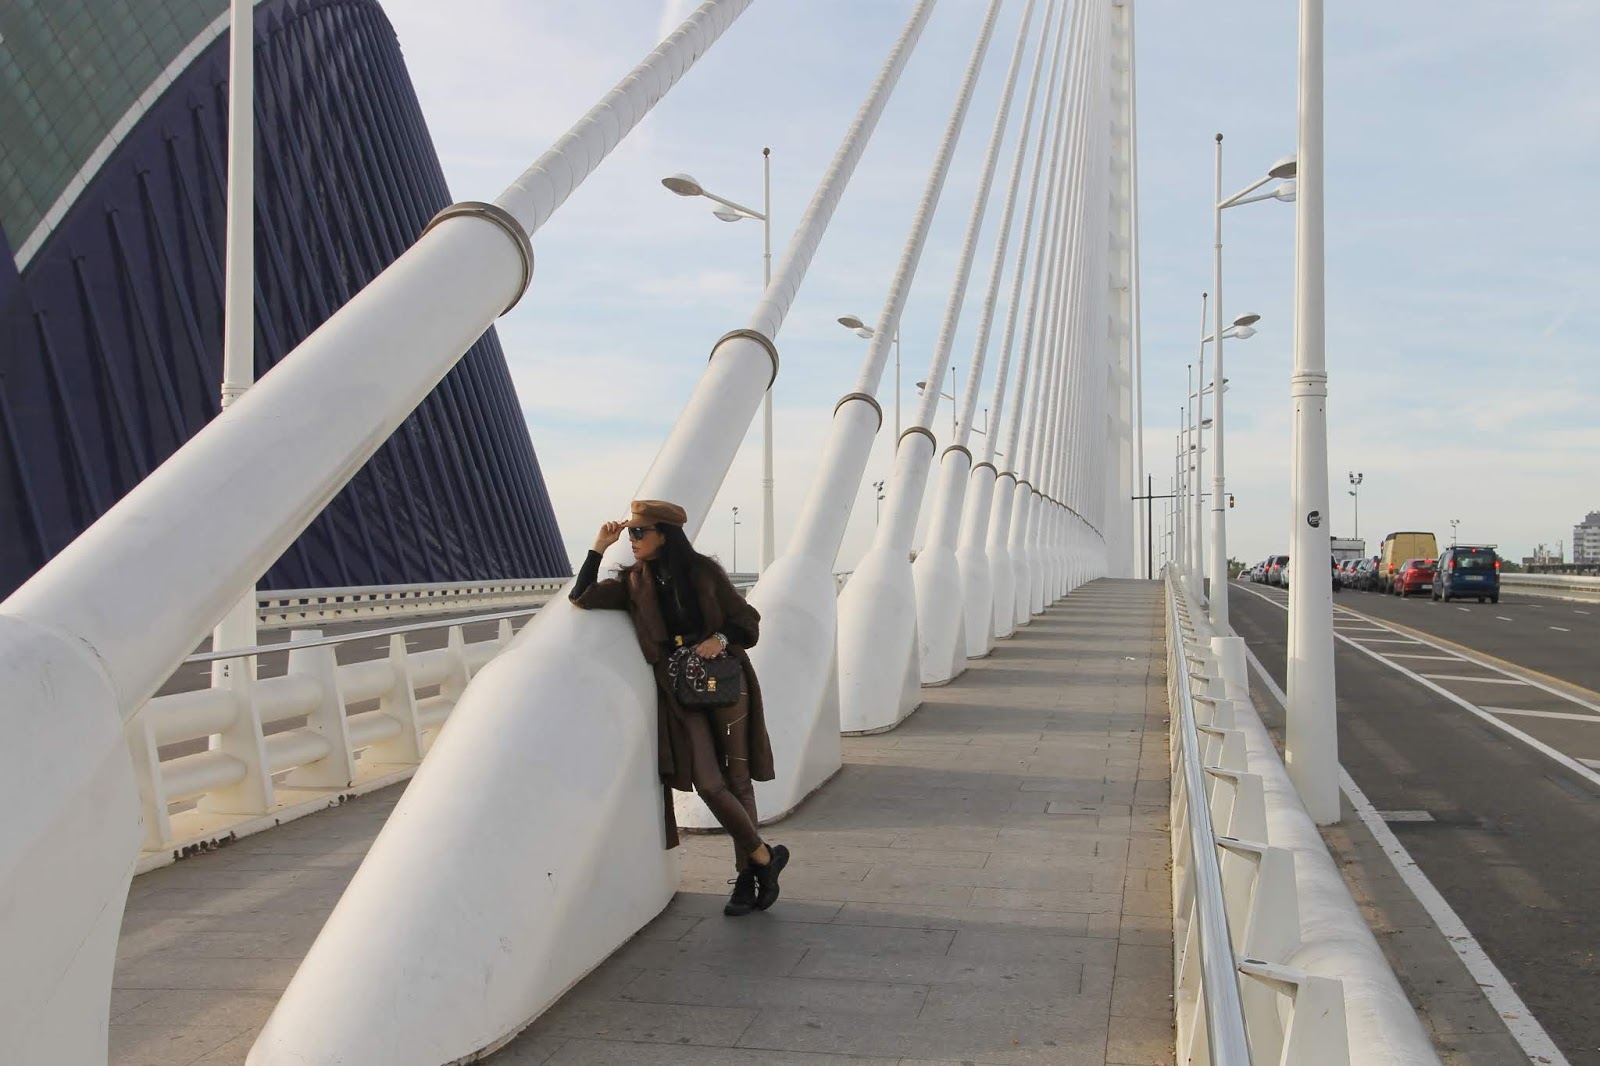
{"type": "Point", "coordinates": [986, 883]}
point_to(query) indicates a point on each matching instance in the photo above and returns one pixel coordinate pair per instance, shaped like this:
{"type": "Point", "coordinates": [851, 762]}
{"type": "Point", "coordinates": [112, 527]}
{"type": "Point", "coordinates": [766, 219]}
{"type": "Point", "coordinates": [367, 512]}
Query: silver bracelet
{"type": "Point", "coordinates": [724, 640]}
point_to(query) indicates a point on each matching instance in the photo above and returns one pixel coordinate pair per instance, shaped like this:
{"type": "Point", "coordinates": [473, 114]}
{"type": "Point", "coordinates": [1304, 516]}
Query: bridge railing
{"type": "Point", "coordinates": [1555, 586]}
{"type": "Point", "coordinates": [281, 609]}
{"type": "Point", "coordinates": [329, 730]}
{"type": "Point", "coordinates": [1312, 982]}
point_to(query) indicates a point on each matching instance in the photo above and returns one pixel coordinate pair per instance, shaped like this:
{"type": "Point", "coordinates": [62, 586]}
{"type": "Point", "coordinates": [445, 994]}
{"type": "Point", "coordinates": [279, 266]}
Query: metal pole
{"type": "Point", "coordinates": [1312, 743]}
{"type": "Point", "coordinates": [1149, 529]}
{"type": "Point", "coordinates": [768, 529]}
{"type": "Point", "coordinates": [897, 383]}
{"type": "Point", "coordinates": [1219, 518]}
{"type": "Point", "coordinates": [1198, 484]}
{"type": "Point", "coordinates": [734, 568]}
{"type": "Point", "coordinates": [238, 627]}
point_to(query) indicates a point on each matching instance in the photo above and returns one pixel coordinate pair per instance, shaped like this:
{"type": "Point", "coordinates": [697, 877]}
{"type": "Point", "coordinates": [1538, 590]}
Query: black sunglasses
{"type": "Point", "coordinates": [638, 532]}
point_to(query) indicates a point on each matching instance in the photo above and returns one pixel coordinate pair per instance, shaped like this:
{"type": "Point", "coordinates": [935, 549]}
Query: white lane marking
{"type": "Point", "coordinates": [1347, 628]}
{"type": "Point", "coordinates": [1545, 714]}
{"type": "Point", "coordinates": [1404, 816]}
{"type": "Point", "coordinates": [1438, 658]}
{"type": "Point", "coordinates": [1485, 680]}
{"type": "Point", "coordinates": [1591, 762]}
{"type": "Point", "coordinates": [1502, 618]}
{"type": "Point", "coordinates": [1535, 1042]}
{"type": "Point", "coordinates": [1463, 609]}
{"type": "Point", "coordinates": [1380, 640]}
{"type": "Point", "coordinates": [1558, 629]}
{"type": "Point", "coordinates": [1501, 724]}
{"type": "Point", "coordinates": [1574, 610]}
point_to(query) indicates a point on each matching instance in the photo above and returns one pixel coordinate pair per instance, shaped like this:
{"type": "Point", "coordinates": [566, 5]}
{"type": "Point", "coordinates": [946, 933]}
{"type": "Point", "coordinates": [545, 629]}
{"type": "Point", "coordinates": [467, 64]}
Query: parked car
{"type": "Point", "coordinates": [1338, 575]}
{"type": "Point", "coordinates": [1414, 575]}
{"type": "Point", "coordinates": [1397, 548]}
{"type": "Point", "coordinates": [1275, 565]}
{"type": "Point", "coordinates": [1366, 574]}
{"type": "Point", "coordinates": [1467, 570]}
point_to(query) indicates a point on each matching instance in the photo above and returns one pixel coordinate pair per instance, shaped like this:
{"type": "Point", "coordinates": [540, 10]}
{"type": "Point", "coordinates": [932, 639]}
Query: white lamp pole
{"type": "Point", "coordinates": [684, 185]}
{"type": "Point", "coordinates": [1312, 742]}
{"type": "Point", "coordinates": [734, 567]}
{"type": "Point", "coordinates": [238, 628]}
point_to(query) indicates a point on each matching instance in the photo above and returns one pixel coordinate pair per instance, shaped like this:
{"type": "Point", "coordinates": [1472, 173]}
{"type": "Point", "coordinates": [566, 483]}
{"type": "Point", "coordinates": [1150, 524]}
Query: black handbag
{"type": "Point", "coordinates": [699, 683]}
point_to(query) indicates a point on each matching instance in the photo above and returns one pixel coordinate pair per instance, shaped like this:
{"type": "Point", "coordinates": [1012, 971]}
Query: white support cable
{"type": "Point", "coordinates": [1020, 274]}
{"type": "Point", "coordinates": [937, 573]}
{"type": "Point", "coordinates": [1043, 275]}
{"type": "Point", "coordinates": [878, 654]}
{"type": "Point", "coordinates": [922, 222]}
{"type": "Point", "coordinates": [969, 250]}
{"type": "Point", "coordinates": [1007, 220]}
{"type": "Point", "coordinates": [677, 472]}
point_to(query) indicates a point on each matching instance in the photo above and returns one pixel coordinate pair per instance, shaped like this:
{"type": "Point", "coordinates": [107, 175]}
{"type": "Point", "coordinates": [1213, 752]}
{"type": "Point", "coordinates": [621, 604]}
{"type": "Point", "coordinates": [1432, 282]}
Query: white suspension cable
{"type": "Point", "coordinates": [969, 249]}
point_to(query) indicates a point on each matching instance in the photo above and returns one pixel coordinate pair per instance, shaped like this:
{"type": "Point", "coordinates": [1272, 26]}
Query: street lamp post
{"type": "Point", "coordinates": [854, 322]}
{"type": "Point", "coordinates": [1283, 169]}
{"type": "Point", "coordinates": [1454, 522]}
{"type": "Point", "coordinates": [735, 567]}
{"type": "Point", "coordinates": [877, 507]}
{"type": "Point", "coordinates": [684, 185]}
{"type": "Point", "coordinates": [1355, 494]}
{"type": "Point", "coordinates": [921, 385]}
{"type": "Point", "coordinates": [1311, 737]}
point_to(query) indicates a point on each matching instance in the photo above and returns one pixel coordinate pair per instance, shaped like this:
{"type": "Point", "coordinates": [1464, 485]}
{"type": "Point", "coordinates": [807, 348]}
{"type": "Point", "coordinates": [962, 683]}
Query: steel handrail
{"type": "Point", "coordinates": [374, 634]}
{"type": "Point", "coordinates": [1225, 1031]}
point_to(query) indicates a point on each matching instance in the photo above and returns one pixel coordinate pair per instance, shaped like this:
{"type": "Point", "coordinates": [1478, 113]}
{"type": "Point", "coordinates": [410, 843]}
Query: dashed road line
{"type": "Point", "coordinates": [1576, 611]}
{"type": "Point", "coordinates": [1380, 640]}
{"type": "Point", "coordinates": [1463, 609]}
{"type": "Point", "coordinates": [1436, 658]}
{"type": "Point", "coordinates": [1484, 680]}
{"type": "Point", "coordinates": [1558, 629]}
{"type": "Point", "coordinates": [1503, 618]}
{"type": "Point", "coordinates": [1566, 715]}
{"type": "Point", "coordinates": [1501, 994]}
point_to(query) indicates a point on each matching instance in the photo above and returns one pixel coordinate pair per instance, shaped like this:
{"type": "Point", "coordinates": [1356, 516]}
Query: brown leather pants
{"type": "Point", "coordinates": [720, 745]}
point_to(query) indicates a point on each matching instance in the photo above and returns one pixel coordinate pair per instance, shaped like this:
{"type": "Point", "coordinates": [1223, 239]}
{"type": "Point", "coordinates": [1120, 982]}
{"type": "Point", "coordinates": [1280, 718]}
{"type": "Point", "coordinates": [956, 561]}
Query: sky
{"type": "Point", "coordinates": [1463, 244]}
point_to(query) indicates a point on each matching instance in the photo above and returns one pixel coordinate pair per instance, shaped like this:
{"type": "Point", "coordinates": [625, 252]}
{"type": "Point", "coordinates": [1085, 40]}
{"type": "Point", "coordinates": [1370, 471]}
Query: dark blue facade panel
{"type": "Point", "coordinates": [111, 338]}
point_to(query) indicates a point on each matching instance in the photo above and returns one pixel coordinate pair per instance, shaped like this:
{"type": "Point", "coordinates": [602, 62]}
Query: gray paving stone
{"type": "Point", "coordinates": [743, 990]}
{"type": "Point", "coordinates": [612, 1052]}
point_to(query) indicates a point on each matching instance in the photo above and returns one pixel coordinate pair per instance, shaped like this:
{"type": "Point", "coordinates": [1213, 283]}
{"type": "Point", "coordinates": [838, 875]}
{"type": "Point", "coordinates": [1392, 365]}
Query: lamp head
{"type": "Point", "coordinates": [1283, 168]}
{"type": "Point", "coordinates": [865, 332]}
{"type": "Point", "coordinates": [921, 385]}
{"type": "Point", "coordinates": [1242, 333]}
{"type": "Point", "coordinates": [727, 214]}
{"type": "Point", "coordinates": [1286, 192]}
{"type": "Point", "coordinates": [683, 185]}
{"type": "Point", "coordinates": [852, 322]}
{"type": "Point", "coordinates": [1248, 319]}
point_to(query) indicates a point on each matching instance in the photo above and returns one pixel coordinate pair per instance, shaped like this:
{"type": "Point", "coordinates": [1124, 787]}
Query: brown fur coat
{"type": "Point", "coordinates": [634, 590]}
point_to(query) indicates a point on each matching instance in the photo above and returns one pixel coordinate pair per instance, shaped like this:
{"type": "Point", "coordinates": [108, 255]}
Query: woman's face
{"type": "Point", "coordinates": [648, 546]}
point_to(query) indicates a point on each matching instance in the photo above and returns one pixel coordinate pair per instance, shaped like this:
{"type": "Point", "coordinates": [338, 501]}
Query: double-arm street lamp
{"type": "Point", "coordinates": [853, 322]}
{"type": "Point", "coordinates": [1355, 494]}
{"type": "Point", "coordinates": [1283, 171]}
{"type": "Point", "coordinates": [729, 211]}
{"type": "Point", "coordinates": [922, 385]}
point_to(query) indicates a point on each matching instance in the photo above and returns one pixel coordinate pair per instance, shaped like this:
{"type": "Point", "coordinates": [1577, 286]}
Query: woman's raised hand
{"type": "Point", "coordinates": [609, 532]}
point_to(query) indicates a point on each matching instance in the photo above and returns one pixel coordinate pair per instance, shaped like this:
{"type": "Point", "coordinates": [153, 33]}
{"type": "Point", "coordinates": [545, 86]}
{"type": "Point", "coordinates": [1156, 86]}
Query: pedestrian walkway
{"type": "Point", "coordinates": [986, 883]}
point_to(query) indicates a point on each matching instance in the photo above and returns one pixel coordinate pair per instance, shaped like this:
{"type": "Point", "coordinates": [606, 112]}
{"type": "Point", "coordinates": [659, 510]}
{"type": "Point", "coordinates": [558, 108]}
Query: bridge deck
{"type": "Point", "coordinates": [986, 883]}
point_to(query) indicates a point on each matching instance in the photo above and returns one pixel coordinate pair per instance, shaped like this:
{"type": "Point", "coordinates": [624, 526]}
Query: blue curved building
{"type": "Point", "coordinates": [113, 130]}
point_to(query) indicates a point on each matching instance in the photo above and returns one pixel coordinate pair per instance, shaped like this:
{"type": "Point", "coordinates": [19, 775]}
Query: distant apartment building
{"type": "Point", "coordinates": [1586, 539]}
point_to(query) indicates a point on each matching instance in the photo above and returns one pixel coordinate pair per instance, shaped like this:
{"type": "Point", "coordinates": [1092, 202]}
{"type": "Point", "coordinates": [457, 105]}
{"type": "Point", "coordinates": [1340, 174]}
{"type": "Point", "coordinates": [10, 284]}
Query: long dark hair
{"type": "Point", "coordinates": [678, 557]}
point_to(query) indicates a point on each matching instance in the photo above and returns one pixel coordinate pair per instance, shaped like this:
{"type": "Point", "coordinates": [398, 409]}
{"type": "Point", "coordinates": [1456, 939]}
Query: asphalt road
{"type": "Point", "coordinates": [1511, 842]}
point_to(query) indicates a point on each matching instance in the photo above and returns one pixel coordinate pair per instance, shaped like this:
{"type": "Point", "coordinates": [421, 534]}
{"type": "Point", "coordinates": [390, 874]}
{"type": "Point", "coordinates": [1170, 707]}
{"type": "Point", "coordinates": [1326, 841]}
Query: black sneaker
{"type": "Point", "coordinates": [768, 876]}
{"type": "Point", "coordinates": [743, 899]}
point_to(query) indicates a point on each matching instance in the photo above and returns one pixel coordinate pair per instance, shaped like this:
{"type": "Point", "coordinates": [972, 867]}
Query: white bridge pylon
{"type": "Point", "coordinates": [493, 888]}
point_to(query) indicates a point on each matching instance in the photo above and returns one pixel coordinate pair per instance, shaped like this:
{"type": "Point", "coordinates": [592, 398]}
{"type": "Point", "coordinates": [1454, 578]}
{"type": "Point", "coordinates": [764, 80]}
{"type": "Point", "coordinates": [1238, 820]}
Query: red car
{"type": "Point", "coordinates": [1415, 576]}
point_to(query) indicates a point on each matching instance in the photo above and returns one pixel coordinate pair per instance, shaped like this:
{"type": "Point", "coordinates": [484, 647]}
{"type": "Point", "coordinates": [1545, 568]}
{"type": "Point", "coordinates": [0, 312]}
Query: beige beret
{"type": "Point", "coordinates": [656, 511]}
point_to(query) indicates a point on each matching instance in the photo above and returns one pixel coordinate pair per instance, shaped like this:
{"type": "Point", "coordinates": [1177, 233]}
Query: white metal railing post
{"type": "Point", "coordinates": [399, 703]}
{"type": "Point", "coordinates": [327, 720]}
{"type": "Point", "coordinates": [243, 740]}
